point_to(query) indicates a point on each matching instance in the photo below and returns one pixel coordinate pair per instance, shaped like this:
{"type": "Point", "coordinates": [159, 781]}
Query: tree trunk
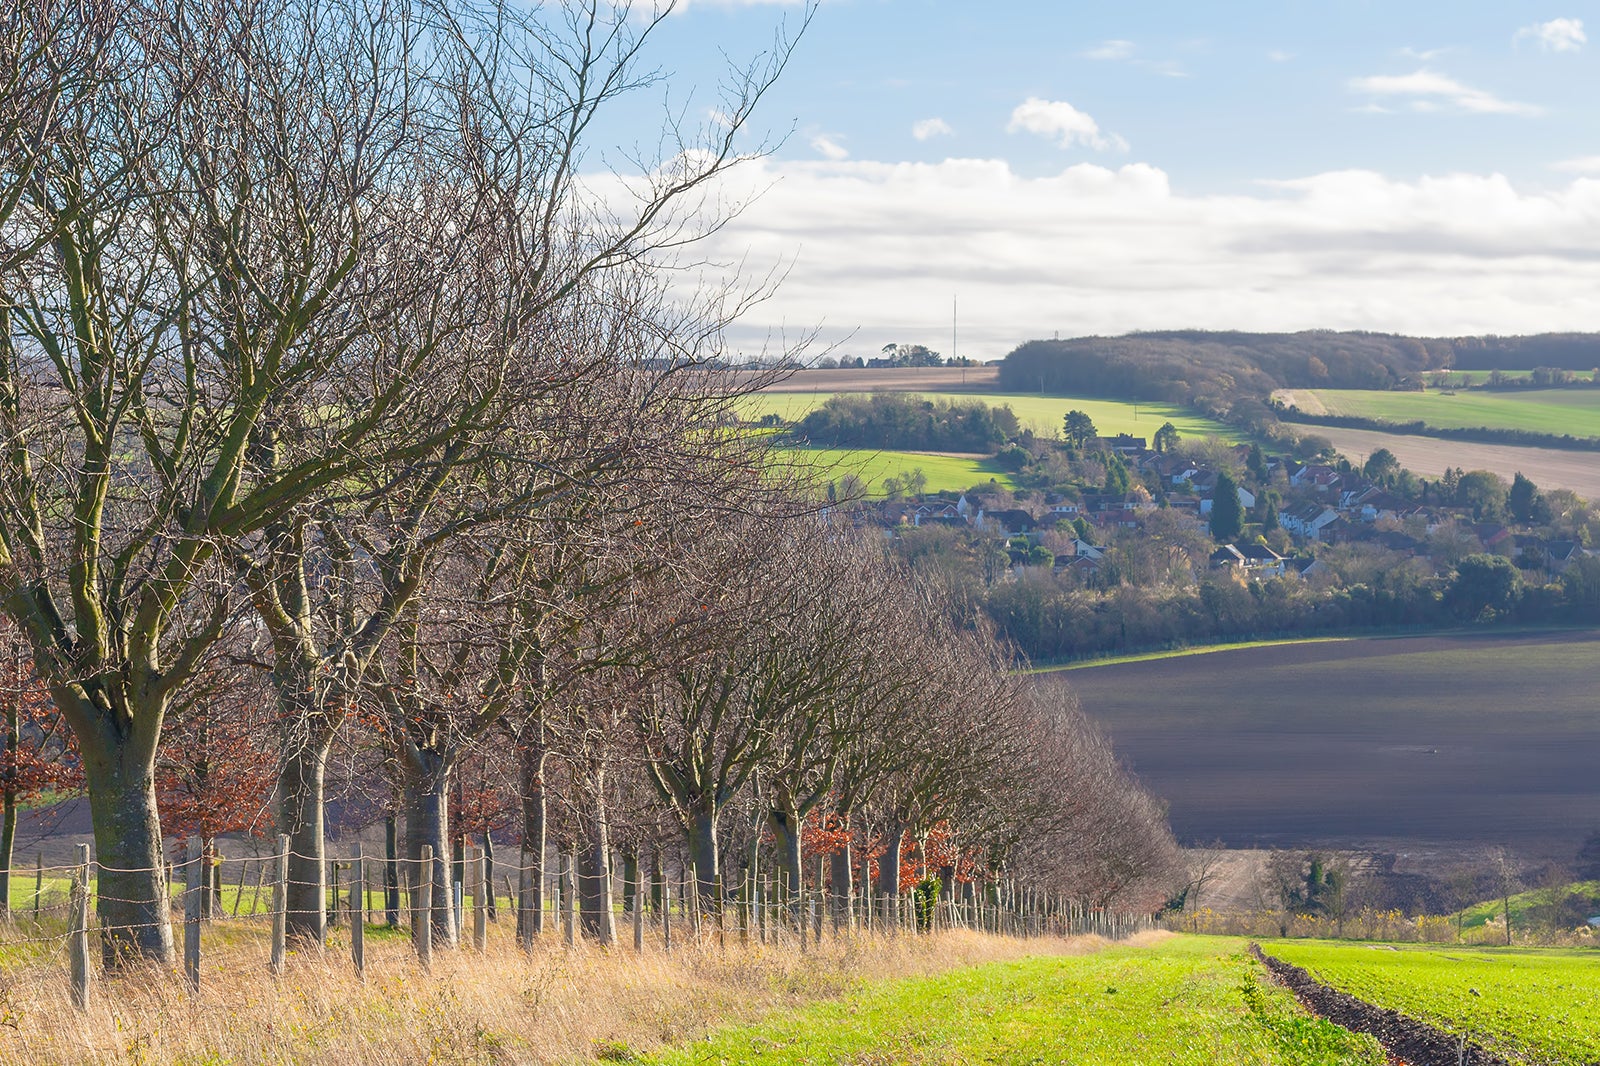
{"type": "Point", "coordinates": [488, 876]}
{"type": "Point", "coordinates": [132, 900]}
{"type": "Point", "coordinates": [302, 800]}
{"type": "Point", "coordinates": [428, 823]}
{"type": "Point", "coordinates": [889, 863]}
{"type": "Point", "coordinates": [630, 880]}
{"type": "Point", "coordinates": [704, 853]}
{"type": "Point", "coordinates": [391, 871]}
{"type": "Point", "coordinates": [594, 863]}
{"type": "Point", "coordinates": [8, 807]}
{"type": "Point", "coordinates": [840, 873]}
{"type": "Point", "coordinates": [535, 829]}
{"type": "Point", "coordinates": [786, 829]}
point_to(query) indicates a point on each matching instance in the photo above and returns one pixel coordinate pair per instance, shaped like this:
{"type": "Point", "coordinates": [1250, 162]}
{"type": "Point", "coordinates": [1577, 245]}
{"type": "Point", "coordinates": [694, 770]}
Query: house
{"type": "Point", "coordinates": [1560, 554]}
{"type": "Point", "coordinates": [1308, 521]}
{"type": "Point", "coordinates": [1013, 522]}
{"type": "Point", "coordinates": [1247, 500]}
{"type": "Point", "coordinates": [1257, 560]}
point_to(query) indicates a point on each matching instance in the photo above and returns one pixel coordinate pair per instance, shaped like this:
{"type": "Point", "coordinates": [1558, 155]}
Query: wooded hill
{"type": "Point", "coordinates": [1218, 370]}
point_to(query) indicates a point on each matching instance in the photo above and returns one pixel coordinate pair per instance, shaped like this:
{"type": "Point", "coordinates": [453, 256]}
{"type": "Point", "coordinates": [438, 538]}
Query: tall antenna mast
{"type": "Point", "coordinates": [952, 328]}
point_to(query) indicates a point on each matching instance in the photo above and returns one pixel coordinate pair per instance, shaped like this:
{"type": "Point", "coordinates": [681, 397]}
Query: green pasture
{"type": "Point", "coordinates": [952, 472]}
{"type": "Point", "coordinates": [1523, 904]}
{"type": "Point", "coordinates": [1531, 1005]}
{"type": "Point", "coordinates": [1186, 1000]}
{"type": "Point", "coordinates": [1558, 411]}
{"type": "Point", "coordinates": [1042, 414]}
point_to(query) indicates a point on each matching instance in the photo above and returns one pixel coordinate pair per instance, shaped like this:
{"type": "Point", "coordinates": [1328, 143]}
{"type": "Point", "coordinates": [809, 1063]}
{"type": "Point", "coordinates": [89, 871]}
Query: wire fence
{"type": "Point", "coordinates": [666, 910]}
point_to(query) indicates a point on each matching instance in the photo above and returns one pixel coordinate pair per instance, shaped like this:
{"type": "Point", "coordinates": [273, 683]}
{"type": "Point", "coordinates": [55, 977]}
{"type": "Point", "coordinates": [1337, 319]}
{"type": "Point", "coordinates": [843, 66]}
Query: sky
{"type": "Point", "coordinates": [1027, 169]}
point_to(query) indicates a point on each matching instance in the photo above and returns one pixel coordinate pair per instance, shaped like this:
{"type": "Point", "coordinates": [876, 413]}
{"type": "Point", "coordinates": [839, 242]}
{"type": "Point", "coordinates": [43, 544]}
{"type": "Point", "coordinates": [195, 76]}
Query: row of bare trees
{"type": "Point", "coordinates": [324, 373]}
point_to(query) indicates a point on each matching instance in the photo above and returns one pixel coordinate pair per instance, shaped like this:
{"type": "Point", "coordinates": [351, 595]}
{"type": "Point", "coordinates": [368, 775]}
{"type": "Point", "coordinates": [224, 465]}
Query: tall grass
{"type": "Point", "coordinates": [504, 1006]}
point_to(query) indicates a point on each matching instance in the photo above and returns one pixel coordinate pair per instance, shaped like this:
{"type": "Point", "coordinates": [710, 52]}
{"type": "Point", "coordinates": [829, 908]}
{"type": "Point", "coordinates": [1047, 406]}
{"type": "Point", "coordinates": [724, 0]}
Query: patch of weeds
{"type": "Point", "coordinates": [614, 1051]}
{"type": "Point", "coordinates": [1304, 1039]}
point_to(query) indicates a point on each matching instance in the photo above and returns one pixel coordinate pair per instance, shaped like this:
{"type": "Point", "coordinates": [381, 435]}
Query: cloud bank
{"type": "Point", "coordinates": [880, 249]}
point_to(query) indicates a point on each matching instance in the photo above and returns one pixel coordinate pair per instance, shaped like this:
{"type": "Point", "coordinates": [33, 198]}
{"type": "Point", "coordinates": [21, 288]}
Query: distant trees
{"type": "Point", "coordinates": [1078, 428]}
{"type": "Point", "coordinates": [907, 421]}
{"type": "Point", "coordinates": [909, 355]}
{"type": "Point", "coordinates": [1227, 512]}
{"type": "Point", "coordinates": [1483, 583]}
{"type": "Point", "coordinates": [1381, 466]}
{"type": "Point", "coordinates": [1525, 502]}
{"type": "Point", "coordinates": [1165, 438]}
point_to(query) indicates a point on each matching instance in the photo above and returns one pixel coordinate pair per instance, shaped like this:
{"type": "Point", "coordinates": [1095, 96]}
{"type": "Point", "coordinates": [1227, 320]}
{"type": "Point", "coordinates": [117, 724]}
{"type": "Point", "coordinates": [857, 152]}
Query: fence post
{"type": "Point", "coordinates": [480, 905]}
{"type": "Point", "coordinates": [78, 943]}
{"type": "Point", "coordinates": [666, 914]}
{"type": "Point", "coordinates": [196, 882]}
{"type": "Point", "coordinates": [569, 892]}
{"type": "Point", "coordinates": [422, 909]}
{"type": "Point", "coordinates": [280, 905]}
{"type": "Point", "coordinates": [358, 913]}
{"type": "Point", "coordinates": [638, 913]}
{"type": "Point", "coordinates": [238, 894]}
{"type": "Point", "coordinates": [38, 883]}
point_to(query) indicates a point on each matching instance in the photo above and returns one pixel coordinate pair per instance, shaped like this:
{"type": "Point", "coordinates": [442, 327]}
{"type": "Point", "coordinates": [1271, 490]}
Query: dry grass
{"type": "Point", "coordinates": [502, 1007]}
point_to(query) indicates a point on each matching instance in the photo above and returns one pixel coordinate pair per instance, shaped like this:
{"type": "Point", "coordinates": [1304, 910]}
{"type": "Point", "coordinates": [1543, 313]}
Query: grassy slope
{"type": "Point", "coordinates": [1480, 914]}
{"type": "Point", "coordinates": [952, 472]}
{"type": "Point", "coordinates": [1042, 414]}
{"type": "Point", "coordinates": [1185, 1000]}
{"type": "Point", "coordinates": [1539, 1004]}
{"type": "Point", "coordinates": [1559, 411]}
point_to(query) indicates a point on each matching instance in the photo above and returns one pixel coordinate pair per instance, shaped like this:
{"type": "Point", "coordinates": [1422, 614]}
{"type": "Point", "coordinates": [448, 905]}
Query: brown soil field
{"type": "Point", "coordinates": [1428, 456]}
{"type": "Point", "coordinates": [912, 379]}
{"type": "Point", "coordinates": [1391, 743]}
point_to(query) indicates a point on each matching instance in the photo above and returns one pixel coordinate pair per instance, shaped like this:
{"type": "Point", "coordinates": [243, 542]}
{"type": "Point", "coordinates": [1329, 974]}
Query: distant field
{"type": "Point", "coordinates": [943, 471]}
{"type": "Point", "coordinates": [1042, 414]}
{"type": "Point", "coordinates": [892, 380]}
{"type": "Point", "coordinates": [1529, 1005]}
{"type": "Point", "coordinates": [1198, 1001]}
{"type": "Point", "coordinates": [1559, 411]}
{"type": "Point", "coordinates": [1449, 739]}
{"type": "Point", "coordinates": [1429, 456]}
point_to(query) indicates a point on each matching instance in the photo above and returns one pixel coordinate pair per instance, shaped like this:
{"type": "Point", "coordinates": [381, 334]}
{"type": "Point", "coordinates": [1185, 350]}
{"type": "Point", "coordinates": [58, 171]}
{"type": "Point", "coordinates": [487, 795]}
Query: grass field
{"type": "Point", "coordinates": [1042, 414]}
{"type": "Point", "coordinates": [1530, 1005]}
{"type": "Point", "coordinates": [1182, 1000]}
{"type": "Point", "coordinates": [1451, 739]}
{"type": "Point", "coordinates": [1558, 411]}
{"type": "Point", "coordinates": [1480, 914]}
{"type": "Point", "coordinates": [943, 471]}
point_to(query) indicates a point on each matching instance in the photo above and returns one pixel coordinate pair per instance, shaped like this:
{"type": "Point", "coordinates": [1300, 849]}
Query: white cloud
{"type": "Point", "coordinates": [1278, 55]}
{"type": "Point", "coordinates": [829, 148]}
{"type": "Point", "coordinates": [879, 247]}
{"type": "Point", "coordinates": [1428, 90]}
{"type": "Point", "coordinates": [1115, 49]}
{"type": "Point", "coordinates": [1062, 122]}
{"type": "Point", "coordinates": [1424, 54]}
{"type": "Point", "coordinates": [1557, 35]}
{"type": "Point", "coordinates": [1588, 164]}
{"type": "Point", "coordinates": [927, 128]}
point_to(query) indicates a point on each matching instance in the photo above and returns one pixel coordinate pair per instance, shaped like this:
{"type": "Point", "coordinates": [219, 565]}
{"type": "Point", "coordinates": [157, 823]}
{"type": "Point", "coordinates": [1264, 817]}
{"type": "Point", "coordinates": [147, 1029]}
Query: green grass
{"type": "Point", "coordinates": [1557, 411]}
{"type": "Point", "coordinates": [1480, 914]}
{"type": "Point", "coordinates": [1178, 653]}
{"type": "Point", "coordinates": [952, 472]}
{"type": "Point", "coordinates": [1042, 414]}
{"type": "Point", "coordinates": [1186, 1000]}
{"type": "Point", "coordinates": [1531, 1005]}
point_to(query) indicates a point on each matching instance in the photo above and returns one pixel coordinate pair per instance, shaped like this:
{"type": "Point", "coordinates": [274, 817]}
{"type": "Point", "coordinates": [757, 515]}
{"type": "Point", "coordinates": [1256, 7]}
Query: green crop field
{"type": "Point", "coordinates": [952, 472]}
{"type": "Point", "coordinates": [1184, 1000]}
{"type": "Point", "coordinates": [1530, 1005]}
{"type": "Point", "coordinates": [1042, 414]}
{"type": "Point", "coordinates": [1558, 411]}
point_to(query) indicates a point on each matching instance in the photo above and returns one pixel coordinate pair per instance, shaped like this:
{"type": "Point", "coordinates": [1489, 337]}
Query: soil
{"type": "Point", "coordinates": [1409, 1041]}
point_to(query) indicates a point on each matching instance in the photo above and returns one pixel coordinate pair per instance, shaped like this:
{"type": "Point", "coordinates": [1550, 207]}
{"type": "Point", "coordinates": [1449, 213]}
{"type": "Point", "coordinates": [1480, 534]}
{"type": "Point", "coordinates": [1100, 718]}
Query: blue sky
{"type": "Point", "coordinates": [1079, 168]}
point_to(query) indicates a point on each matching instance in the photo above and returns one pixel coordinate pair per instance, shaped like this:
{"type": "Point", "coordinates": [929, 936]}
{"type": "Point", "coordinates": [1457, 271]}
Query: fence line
{"type": "Point", "coordinates": [756, 909]}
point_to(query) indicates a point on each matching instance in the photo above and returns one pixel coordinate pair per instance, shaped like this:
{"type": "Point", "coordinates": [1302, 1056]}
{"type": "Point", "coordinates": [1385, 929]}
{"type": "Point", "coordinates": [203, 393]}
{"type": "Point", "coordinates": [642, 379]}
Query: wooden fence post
{"type": "Point", "coordinates": [38, 883]}
{"type": "Point", "coordinates": [197, 883]}
{"type": "Point", "coordinates": [638, 913]}
{"type": "Point", "coordinates": [238, 893]}
{"type": "Point", "coordinates": [358, 913]}
{"type": "Point", "coordinates": [480, 906]}
{"type": "Point", "coordinates": [422, 912]}
{"type": "Point", "coordinates": [280, 905]}
{"type": "Point", "coordinates": [569, 891]}
{"type": "Point", "coordinates": [78, 942]}
{"type": "Point", "coordinates": [666, 914]}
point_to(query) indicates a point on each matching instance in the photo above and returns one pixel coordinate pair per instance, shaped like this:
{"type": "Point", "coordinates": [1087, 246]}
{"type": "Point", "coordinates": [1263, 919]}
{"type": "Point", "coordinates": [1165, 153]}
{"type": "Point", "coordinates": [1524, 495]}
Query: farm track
{"type": "Point", "coordinates": [1408, 1040]}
